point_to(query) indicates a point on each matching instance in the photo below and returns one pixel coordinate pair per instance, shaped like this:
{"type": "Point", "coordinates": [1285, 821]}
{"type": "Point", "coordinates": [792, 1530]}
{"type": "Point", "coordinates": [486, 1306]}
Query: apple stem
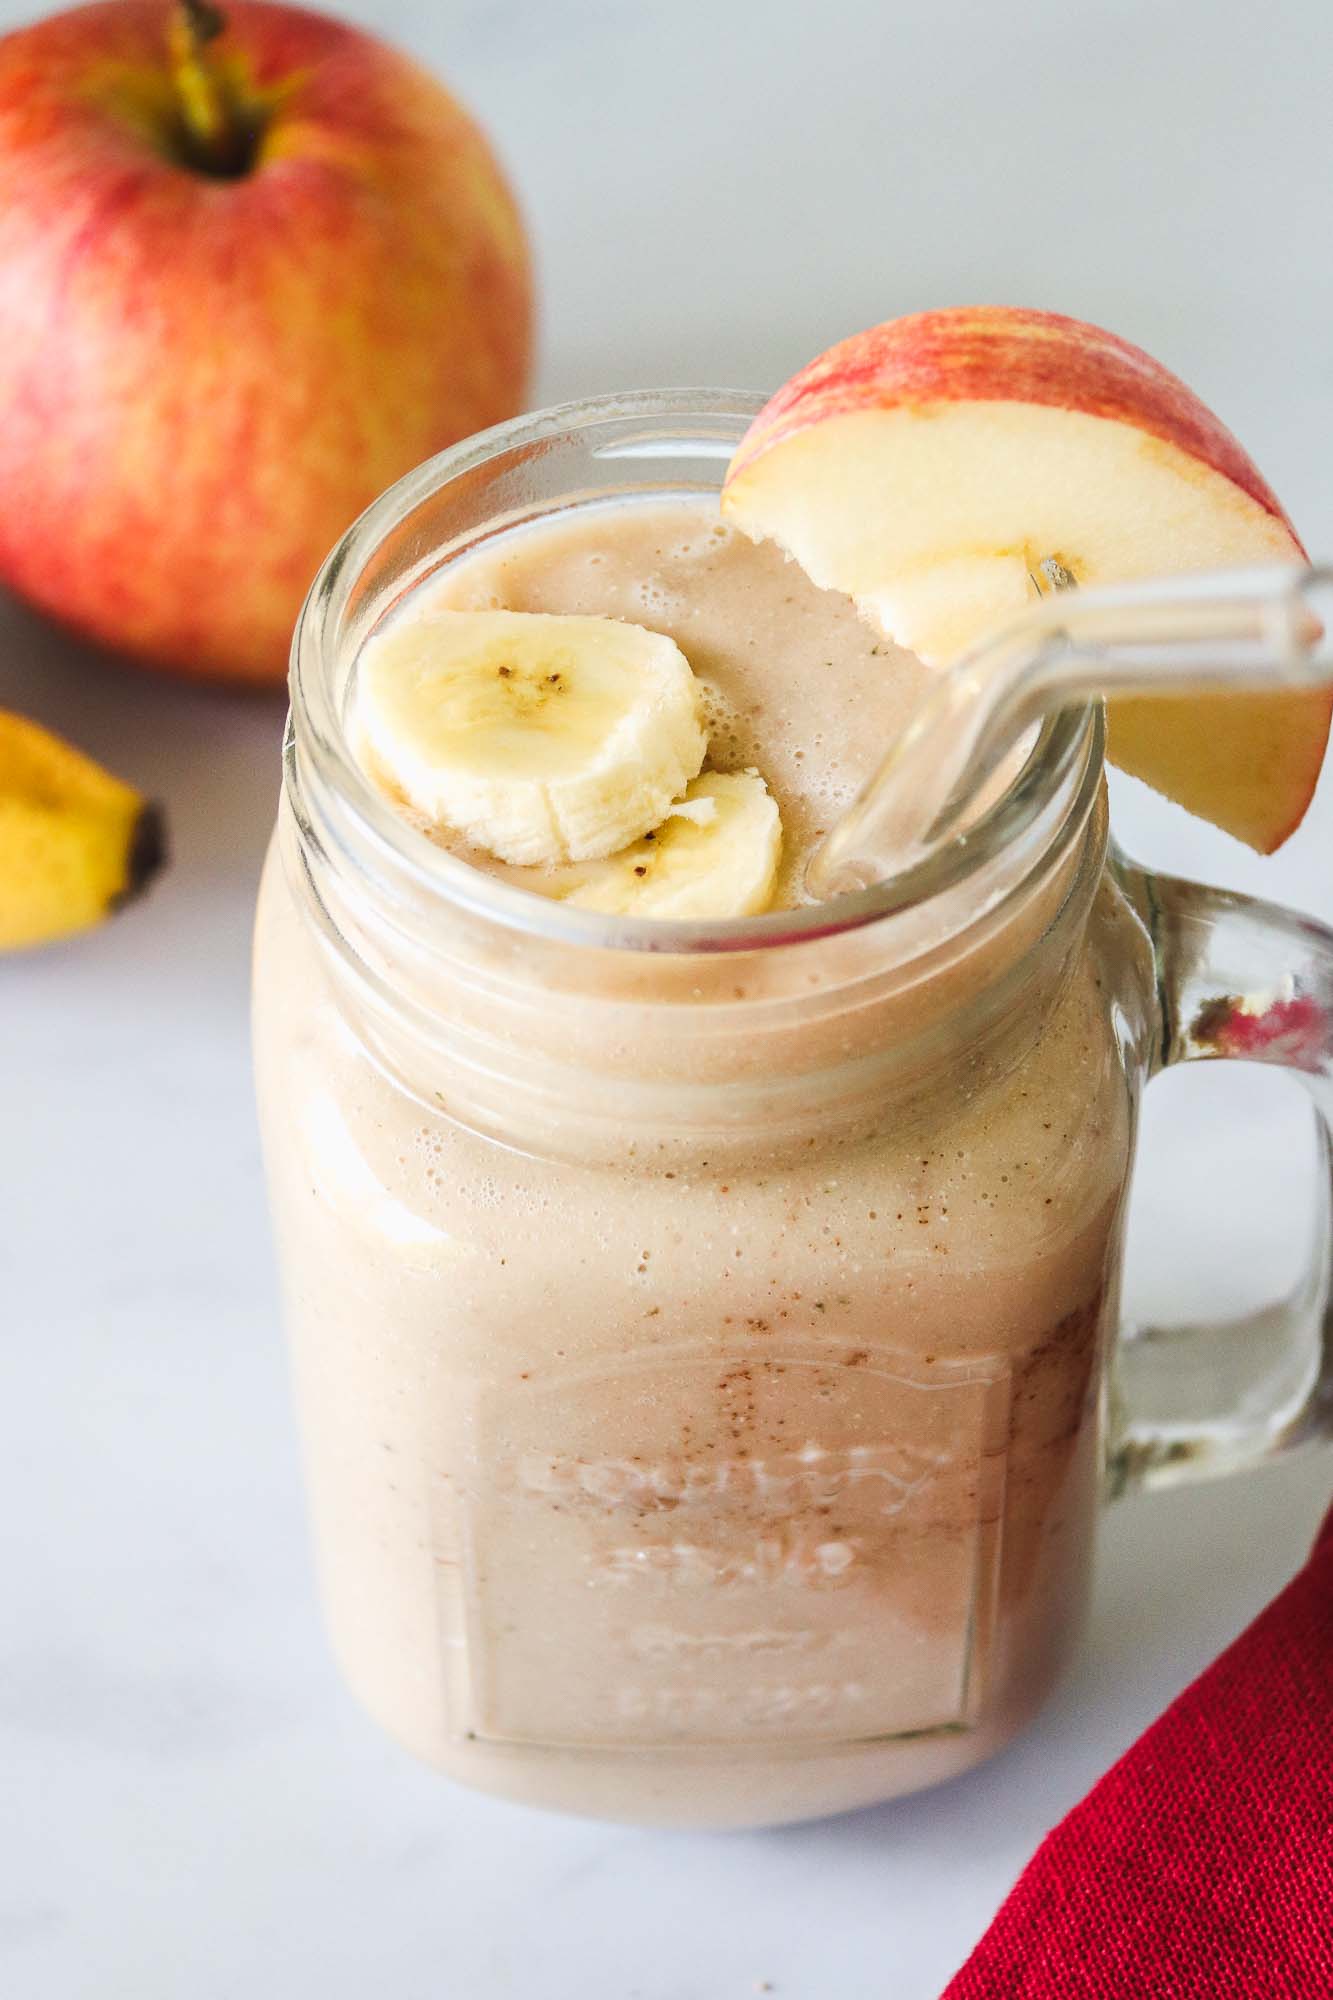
{"type": "Point", "coordinates": [218, 137]}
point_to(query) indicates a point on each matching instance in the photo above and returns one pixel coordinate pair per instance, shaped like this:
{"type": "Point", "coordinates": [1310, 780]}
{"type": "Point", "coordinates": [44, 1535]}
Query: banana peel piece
{"type": "Point", "coordinates": [76, 843]}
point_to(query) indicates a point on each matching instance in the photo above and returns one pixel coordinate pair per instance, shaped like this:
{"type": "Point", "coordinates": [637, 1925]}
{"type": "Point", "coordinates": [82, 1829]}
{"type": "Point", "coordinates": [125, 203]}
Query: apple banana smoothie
{"type": "Point", "coordinates": [702, 1296]}
{"type": "Point", "coordinates": [698, 1297]}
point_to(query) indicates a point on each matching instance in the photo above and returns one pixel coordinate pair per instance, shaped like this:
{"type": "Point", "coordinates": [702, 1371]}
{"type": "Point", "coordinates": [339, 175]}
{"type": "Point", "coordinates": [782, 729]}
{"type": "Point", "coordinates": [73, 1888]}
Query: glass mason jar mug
{"type": "Point", "coordinates": [706, 1335]}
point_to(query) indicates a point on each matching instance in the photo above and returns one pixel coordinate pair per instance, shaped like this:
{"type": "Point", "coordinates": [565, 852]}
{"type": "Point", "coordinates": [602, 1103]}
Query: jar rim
{"type": "Point", "coordinates": [1065, 762]}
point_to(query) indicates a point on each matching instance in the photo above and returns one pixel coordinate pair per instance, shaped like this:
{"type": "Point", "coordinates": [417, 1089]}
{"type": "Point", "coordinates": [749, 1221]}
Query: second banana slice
{"type": "Point", "coordinates": [540, 739]}
{"type": "Point", "coordinates": [715, 855]}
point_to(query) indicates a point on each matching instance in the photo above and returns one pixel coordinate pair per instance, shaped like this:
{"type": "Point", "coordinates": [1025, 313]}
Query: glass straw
{"type": "Point", "coordinates": [1221, 631]}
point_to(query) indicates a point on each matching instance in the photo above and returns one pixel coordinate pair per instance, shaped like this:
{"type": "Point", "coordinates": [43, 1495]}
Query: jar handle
{"type": "Point", "coordinates": [1248, 981]}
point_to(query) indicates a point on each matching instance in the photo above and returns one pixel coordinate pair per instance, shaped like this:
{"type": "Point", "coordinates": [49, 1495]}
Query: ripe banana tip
{"type": "Point", "coordinates": [76, 842]}
{"type": "Point", "coordinates": [147, 854]}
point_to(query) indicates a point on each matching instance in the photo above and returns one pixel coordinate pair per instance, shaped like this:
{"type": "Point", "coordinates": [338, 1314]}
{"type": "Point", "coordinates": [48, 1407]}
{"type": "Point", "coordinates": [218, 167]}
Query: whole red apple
{"type": "Point", "coordinates": [253, 267]}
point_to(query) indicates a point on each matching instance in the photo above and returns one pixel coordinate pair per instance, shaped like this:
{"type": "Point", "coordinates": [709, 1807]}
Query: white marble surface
{"type": "Point", "coordinates": [190, 1808]}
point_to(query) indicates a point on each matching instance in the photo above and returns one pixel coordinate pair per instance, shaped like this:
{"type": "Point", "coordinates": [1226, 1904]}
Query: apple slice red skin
{"type": "Point", "coordinates": [1004, 354]}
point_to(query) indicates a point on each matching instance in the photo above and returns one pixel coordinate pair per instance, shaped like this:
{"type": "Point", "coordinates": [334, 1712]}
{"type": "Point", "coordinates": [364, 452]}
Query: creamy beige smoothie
{"type": "Point", "coordinates": [700, 1370]}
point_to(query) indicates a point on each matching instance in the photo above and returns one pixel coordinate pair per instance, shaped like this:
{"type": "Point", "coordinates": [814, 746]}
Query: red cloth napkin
{"type": "Point", "coordinates": [1201, 1866]}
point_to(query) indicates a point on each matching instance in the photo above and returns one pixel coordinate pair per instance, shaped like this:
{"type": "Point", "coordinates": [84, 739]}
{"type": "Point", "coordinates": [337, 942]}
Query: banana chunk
{"type": "Point", "coordinates": [715, 854]}
{"type": "Point", "coordinates": [540, 739]}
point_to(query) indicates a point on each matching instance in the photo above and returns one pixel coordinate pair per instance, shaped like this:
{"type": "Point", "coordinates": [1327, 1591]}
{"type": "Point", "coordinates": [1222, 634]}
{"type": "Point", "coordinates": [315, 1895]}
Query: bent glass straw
{"type": "Point", "coordinates": [1238, 631]}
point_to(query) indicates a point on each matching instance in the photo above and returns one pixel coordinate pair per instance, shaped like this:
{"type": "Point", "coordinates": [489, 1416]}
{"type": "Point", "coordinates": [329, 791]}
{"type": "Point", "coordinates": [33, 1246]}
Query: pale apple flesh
{"type": "Point", "coordinates": [926, 468]}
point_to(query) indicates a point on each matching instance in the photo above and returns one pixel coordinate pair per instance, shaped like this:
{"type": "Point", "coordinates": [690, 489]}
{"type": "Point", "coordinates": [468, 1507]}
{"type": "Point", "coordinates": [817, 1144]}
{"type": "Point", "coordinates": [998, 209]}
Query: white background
{"type": "Point", "coordinates": [190, 1806]}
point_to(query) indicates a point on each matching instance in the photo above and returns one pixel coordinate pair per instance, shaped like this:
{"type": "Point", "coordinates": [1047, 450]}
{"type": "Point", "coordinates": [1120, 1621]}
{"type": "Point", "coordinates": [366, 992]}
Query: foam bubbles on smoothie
{"type": "Point", "coordinates": [702, 544]}
{"type": "Point", "coordinates": [729, 742]}
{"type": "Point", "coordinates": [654, 598]}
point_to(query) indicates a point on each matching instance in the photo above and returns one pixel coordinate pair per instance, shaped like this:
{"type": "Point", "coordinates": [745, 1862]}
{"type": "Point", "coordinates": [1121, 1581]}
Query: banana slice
{"type": "Point", "coordinates": [541, 739]}
{"type": "Point", "coordinates": [715, 854]}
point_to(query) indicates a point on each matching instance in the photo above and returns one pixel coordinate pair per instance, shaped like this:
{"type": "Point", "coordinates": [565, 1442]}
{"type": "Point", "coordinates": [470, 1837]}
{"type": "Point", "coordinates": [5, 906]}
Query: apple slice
{"type": "Point", "coordinates": [927, 466]}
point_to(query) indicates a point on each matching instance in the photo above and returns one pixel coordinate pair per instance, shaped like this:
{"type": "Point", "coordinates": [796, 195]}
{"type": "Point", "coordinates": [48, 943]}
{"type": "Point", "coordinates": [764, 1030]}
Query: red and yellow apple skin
{"type": "Point", "coordinates": [927, 466]}
{"type": "Point", "coordinates": [204, 380]}
{"type": "Point", "coordinates": [1004, 354]}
